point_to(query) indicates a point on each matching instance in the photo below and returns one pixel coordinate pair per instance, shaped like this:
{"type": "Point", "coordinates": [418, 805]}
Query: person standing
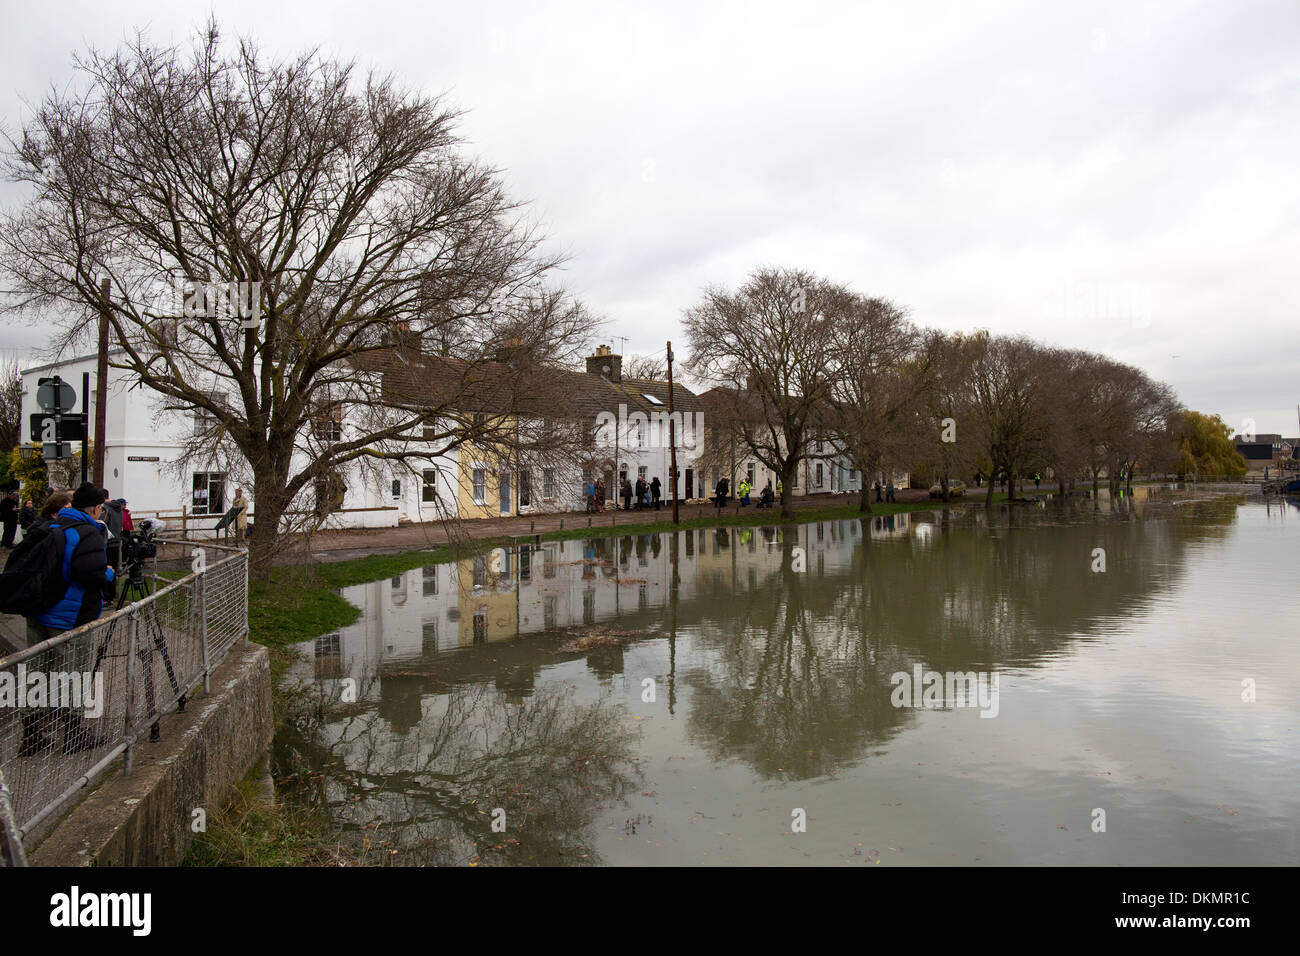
{"type": "Point", "coordinates": [87, 577]}
{"type": "Point", "coordinates": [656, 492]}
{"type": "Point", "coordinates": [723, 487]}
{"type": "Point", "coordinates": [241, 518]}
{"type": "Point", "coordinates": [745, 489]}
{"type": "Point", "coordinates": [112, 517]}
{"type": "Point", "coordinates": [889, 491]}
{"type": "Point", "coordinates": [878, 498]}
{"type": "Point", "coordinates": [9, 517]}
{"type": "Point", "coordinates": [626, 493]}
{"type": "Point", "coordinates": [27, 516]}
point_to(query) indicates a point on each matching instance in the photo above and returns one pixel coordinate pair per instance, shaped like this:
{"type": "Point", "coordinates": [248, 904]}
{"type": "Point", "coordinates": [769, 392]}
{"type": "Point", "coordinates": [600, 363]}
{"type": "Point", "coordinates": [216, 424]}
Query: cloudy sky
{"type": "Point", "coordinates": [1113, 176]}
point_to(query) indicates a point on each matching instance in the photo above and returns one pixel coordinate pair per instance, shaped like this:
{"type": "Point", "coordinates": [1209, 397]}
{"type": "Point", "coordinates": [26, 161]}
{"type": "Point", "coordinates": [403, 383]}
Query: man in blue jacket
{"type": "Point", "coordinates": [86, 571]}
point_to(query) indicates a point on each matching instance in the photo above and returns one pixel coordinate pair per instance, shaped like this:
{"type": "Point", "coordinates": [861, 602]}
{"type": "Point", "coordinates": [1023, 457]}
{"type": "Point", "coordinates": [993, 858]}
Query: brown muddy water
{"type": "Point", "coordinates": [951, 689]}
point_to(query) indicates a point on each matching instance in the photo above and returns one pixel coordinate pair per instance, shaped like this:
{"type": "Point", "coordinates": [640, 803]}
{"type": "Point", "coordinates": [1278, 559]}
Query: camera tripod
{"type": "Point", "coordinates": [136, 588]}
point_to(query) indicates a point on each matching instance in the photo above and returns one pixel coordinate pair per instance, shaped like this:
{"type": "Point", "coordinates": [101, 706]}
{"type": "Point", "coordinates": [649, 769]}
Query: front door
{"type": "Point", "coordinates": [505, 493]}
{"type": "Point", "coordinates": [690, 483]}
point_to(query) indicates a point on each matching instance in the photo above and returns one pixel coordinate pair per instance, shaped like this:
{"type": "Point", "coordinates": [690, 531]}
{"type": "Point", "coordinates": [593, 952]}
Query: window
{"type": "Point", "coordinates": [640, 436]}
{"type": "Point", "coordinates": [548, 613]}
{"type": "Point", "coordinates": [642, 598]}
{"type": "Point", "coordinates": [525, 564]}
{"type": "Point", "coordinates": [819, 474]}
{"type": "Point", "coordinates": [548, 563]}
{"type": "Point", "coordinates": [480, 625]}
{"type": "Point", "coordinates": [548, 483]}
{"type": "Point", "coordinates": [431, 580]}
{"type": "Point", "coordinates": [428, 430]}
{"type": "Point", "coordinates": [589, 606]}
{"type": "Point", "coordinates": [329, 656]}
{"type": "Point", "coordinates": [327, 424]}
{"type": "Point", "coordinates": [429, 637]}
{"type": "Point", "coordinates": [480, 571]}
{"type": "Point", "coordinates": [641, 472]}
{"type": "Point", "coordinates": [749, 473]}
{"type": "Point", "coordinates": [204, 421]}
{"type": "Point", "coordinates": [794, 479]}
{"type": "Point", "coordinates": [209, 493]}
{"type": "Point", "coordinates": [480, 486]}
{"type": "Point", "coordinates": [525, 489]}
{"type": "Point", "coordinates": [397, 489]}
{"type": "Point", "coordinates": [429, 488]}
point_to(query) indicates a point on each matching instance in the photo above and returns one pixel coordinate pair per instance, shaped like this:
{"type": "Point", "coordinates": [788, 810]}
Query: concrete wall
{"type": "Point", "coordinates": [144, 819]}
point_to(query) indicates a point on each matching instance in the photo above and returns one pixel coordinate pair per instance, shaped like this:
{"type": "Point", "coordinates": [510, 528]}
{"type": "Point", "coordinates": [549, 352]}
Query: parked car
{"type": "Point", "coordinates": [955, 489]}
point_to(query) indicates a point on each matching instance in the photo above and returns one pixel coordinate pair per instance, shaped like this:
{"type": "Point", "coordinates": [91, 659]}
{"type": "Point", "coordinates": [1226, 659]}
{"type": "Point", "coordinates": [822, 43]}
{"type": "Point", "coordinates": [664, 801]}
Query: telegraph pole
{"type": "Point", "coordinates": [672, 431]}
{"type": "Point", "coordinates": [101, 383]}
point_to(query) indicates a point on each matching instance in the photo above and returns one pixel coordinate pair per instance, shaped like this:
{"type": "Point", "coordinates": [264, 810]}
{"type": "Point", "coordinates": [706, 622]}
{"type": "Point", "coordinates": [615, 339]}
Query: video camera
{"type": "Point", "coordinates": [143, 543]}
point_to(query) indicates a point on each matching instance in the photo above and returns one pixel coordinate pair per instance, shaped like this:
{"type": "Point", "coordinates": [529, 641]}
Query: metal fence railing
{"type": "Point", "coordinates": [88, 696]}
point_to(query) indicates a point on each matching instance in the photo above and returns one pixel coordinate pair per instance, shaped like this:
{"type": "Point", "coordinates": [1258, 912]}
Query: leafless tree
{"type": "Point", "coordinates": [766, 349]}
{"type": "Point", "coordinates": [880, 375]}
{"type": "Point", "coordinates": [653, 368]}
{"type": "Point", "coordinates": [948, 434]}
{"type": "Point", "coordinates": [344, 211]}
{"type": "Point", "coordinates": [11, 399]}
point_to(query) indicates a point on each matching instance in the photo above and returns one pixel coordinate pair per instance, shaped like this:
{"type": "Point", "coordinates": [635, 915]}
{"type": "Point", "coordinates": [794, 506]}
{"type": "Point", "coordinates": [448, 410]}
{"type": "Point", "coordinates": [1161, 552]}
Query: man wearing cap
{"type": "Point", "coordinates": [86, 571]}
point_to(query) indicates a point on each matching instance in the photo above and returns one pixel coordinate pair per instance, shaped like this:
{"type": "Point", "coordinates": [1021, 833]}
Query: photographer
{"type": "Point", "coordinates": [84, 569]}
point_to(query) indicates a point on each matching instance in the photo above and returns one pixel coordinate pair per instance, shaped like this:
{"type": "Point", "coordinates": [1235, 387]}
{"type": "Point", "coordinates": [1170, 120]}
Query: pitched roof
{"type": "Point", "coordinates": [495, 387]}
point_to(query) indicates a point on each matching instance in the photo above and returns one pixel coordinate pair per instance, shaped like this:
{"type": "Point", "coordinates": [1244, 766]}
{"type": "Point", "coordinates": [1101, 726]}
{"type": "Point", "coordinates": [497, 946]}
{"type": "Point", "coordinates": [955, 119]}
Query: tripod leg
{"type": "Point", "coordinates": [160, 642]}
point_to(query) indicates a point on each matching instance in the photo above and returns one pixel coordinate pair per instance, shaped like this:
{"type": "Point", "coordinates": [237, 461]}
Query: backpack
{"type": "Point", "coordinates": [32, 581]}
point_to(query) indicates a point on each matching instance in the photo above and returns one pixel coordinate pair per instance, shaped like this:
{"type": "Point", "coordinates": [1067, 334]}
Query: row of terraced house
{"type": "Point", "coordinates": [145, 460]}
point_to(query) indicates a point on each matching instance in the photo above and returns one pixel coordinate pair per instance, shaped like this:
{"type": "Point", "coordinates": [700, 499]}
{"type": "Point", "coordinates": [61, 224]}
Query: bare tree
{"type": "Point", "coordinates": [767, 348]}
{"type": "Point", "coordinates": [948, 434]}
{"type": "Point", "coordinates": [11, 401]}
{"type": "Point", "coordinates": [880, 375]}
{"type": "Point", "coordinates": [345, 216]}
{"type": "Point", "coordinates": [652, 368]}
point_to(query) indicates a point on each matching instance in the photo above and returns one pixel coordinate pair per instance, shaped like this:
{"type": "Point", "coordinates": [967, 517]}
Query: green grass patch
{"type": "Point", "coordinates": [253, 830]}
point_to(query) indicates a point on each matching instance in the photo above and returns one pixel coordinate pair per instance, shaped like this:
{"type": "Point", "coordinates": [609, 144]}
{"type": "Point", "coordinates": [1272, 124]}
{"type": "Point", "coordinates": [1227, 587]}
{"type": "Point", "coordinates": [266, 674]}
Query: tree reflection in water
{"type": "Point", "coordinates": [427, 797]}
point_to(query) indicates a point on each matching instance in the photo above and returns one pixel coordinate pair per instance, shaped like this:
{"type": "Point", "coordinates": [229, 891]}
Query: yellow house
{"type": "Point", "coordinates": [485, 482]}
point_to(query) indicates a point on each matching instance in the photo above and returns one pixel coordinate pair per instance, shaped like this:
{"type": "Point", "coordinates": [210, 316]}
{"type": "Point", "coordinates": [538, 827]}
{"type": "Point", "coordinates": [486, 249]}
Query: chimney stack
{"type": "Point", "coordinates": [605, 363]}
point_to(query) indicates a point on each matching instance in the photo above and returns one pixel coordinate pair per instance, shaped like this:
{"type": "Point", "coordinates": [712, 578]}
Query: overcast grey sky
{"type": "Point", "coordinates": [1113, 176]}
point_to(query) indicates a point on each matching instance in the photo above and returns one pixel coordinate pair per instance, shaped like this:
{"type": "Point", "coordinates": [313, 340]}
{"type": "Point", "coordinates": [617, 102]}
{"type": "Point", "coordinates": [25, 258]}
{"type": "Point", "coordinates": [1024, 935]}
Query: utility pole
{"type": "Point", "coordinates": [672, 431]}
{"type": "Point", "coordinates": [85, 427]}
{"type": "Point", "coordinates": [101, 382]}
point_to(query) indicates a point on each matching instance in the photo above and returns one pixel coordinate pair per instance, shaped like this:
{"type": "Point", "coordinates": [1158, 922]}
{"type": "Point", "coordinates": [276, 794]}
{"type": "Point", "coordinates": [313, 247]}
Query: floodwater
{"type": "Point", "coordinates": [737, 696]}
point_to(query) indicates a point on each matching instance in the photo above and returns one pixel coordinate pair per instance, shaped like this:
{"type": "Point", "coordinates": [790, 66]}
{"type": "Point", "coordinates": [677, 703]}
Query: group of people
{"type": "Point", "coordinates": [642, 495]}
{"type": "Point", "coordinates": [889, 492]}
{"type": "Point", "coordinates": [85, 525]}
{"type": "Point", "coordinates": [766, 497]}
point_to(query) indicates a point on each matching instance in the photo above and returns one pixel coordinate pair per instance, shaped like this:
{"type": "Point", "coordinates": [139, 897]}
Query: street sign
{"type": "Point", "coordinates": [44, 429]}
{"type": "Point", "coordinates": [56, 451]}
{"type": "Point", "coordinates": [52, 400]}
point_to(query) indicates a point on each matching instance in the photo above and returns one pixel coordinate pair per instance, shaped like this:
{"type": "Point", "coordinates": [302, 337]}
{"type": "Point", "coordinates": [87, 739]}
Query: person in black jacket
{"type": "Point", "coordinates": [27, 515]}
{"type": "Point", "coordinates": [9, 518]}
{"type": "Point", "coordinates": [656, 491]}
{"type": "Point", "coordinates": [85, 569]}
{"type": "Point", "coordinates": [112, 518]}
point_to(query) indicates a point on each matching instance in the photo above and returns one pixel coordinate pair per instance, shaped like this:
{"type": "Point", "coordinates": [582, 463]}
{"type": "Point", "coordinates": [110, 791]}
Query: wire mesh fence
{"type": "Point", "coordinates": [76, 702]}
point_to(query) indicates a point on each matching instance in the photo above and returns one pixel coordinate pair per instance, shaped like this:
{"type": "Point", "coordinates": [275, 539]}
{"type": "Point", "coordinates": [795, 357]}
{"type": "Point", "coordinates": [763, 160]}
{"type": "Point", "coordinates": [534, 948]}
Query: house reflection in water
{"type": "Point", "coordinates": [511, 595]}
